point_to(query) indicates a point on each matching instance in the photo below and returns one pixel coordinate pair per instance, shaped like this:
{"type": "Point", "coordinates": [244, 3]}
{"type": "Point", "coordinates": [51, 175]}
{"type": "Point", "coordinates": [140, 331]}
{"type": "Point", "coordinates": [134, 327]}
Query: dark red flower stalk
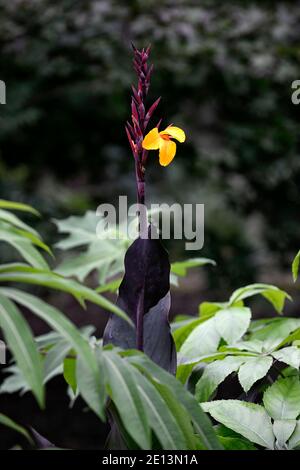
{"type": "Point", "coordinates": [144, 291]}
{"type": "Point", "coordinates": [140, 117]}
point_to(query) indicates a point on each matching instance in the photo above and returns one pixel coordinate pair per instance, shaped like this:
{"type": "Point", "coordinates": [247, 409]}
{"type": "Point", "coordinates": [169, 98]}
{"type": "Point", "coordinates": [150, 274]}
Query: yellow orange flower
{"type": "Point", "coordinates": [161, 141]}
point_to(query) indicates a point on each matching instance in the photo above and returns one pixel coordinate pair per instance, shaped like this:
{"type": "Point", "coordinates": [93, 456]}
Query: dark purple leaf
{"type": "Point", "coordinates": [144, 296]}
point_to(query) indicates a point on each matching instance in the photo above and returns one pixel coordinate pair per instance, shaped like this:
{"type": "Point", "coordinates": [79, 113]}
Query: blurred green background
{"type": "Point", "coordinates": [224, 71]}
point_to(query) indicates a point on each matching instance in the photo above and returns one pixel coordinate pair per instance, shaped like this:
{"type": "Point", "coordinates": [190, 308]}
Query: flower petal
{"type": "Point", "coordinates": [152, 140]}
{"type": "Point", "coordinates": [167, 152]}
{"type": "Point", "coordinates": [174, 132]}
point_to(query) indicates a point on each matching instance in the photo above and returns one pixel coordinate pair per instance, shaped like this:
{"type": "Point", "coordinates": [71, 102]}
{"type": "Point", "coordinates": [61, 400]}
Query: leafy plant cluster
{"type": "Point", "coordinates": [149, 408]}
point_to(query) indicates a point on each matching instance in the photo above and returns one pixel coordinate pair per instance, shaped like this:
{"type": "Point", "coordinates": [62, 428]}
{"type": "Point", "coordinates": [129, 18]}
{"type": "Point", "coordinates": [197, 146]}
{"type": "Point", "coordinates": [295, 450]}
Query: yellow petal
{"type": "Point", "coordinates": [152, 140]}
{"type": "Point", "coordinates": [167, 152]}
{"type": "Point", "coordinates": [174, 132]}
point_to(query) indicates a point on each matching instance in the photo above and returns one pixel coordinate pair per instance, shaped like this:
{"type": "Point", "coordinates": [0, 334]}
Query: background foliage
{"type": "Point", "coordinates": [225, 73]}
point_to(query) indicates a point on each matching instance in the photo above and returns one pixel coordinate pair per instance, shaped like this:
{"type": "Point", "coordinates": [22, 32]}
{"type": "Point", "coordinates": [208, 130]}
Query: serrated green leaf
{"type": "Point", "coordinates": [289, 355]}
{"type": "Point", "coordinates": [254, 369]}
{"type": "Point", "coordinates": [273, 294]}
{"type": "Point", "coordinates": [283, 429]}
{"type": "Point", "coordinates": [232, 323]}
{"type": "Point", "coordinates": [275, 334]}
{"type": "Point", "coordinates": [204, 339]}
{"type": "Point", "coordinates": [281, 399]}
{"type": "Point", "coordinates": [294, 440]}
{"type": "Point", "coordinates": [214, 374]}
{"type": "Point", "coordinates": [248, 419]}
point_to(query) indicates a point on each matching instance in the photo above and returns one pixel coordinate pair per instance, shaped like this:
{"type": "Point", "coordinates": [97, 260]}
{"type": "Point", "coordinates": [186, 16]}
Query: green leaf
{"type": "Point", "coordinates": [203, 336]}
{"type": "Point", "coordinates": [160, 417]}
{"type": "Point", "coordinates": [254, 369]}
{"type": "Point", "coordinates": [236, 443]}
{"type": "Point", "coordinates": [295, 266]}
{"type": "Point", "coordinates": [180, 268]}
{"type": "Point", "coordinates": [24, 247]}
{"type": "Point", "coordinates": [91, 382]}
{"type": "Point", "coordinates": [209, 308]}
{"type": "Point", "coordinates": [204, 339]}
{"type": "Point", "coordinates": [20, 340]}
{"type": "Point", "coordinates": [70, 373]}
{"type": "Point", "coordinates": [15, 382]}
{"type": "Point", "coordinates": [112, 286]}
{"type": "Point", "coordinates": [232, 323]}
{"type": "Point", "coordinates": [295, 438]}
{"type": "Point", "coordinates": [248, 419]}
{"type": "Point", "coordinates": [12, 219]}
{"type": "Point", "coordinates": [17, 206]}
{"type": "Point", "coordinates": [202, 425]}
{"type": "Point", "coordinates": [8, 422]}
{"type": "Point", "coordinates": [62, 324]}
{"type": "Point", "coordinates": [123, 391]}
{"type": "Point", "coordinates": [18, 272]}
{"type": "Point", "coordinates": [289, 355]}
{"type": "Point", "coordinates": [273, 294]}
{"type": "Point", "coordinates": [281, 399]}
{"type": "Point", "coordinates": [275, 334]}
{"type": "Point", "coordinates": [81, 230]}
{"type": "Point", "coordinates": [214, 374]}
{"type": "Point", "coordinates": [101, 255]}
{"type": "Point", "coordinates": [283, 429]}
{"type": "Point", "coordinates": [182, 333]}
{"type": "Point", "coordinates": [54, 359]}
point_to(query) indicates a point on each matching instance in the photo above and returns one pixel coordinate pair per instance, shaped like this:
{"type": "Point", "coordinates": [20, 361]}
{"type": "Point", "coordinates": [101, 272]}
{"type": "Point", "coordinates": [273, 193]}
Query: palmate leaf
{"type": "Point", "coordinates": [105, 251]}
{"type": "Point", "coordinates": [248, 419]}
{"type": "Point", "coordinates": [90, 382]}
{"type": "Point", "coordinates": [20, 340]}
{"type": "Point", "coordinates": [144, 296]}
{"type": "Point", "coordinates": [18, 272]}
{"type": "Point", "coordinates": [103, 255]}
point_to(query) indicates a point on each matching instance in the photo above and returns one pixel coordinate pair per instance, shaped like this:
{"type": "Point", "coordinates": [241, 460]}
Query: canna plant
{"type": "Point", "coordinates": [144, 293]}
{"type": "Point", "coordinates": [157, 384]}
{"type": "Point", "coordinates": [129, 376]}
